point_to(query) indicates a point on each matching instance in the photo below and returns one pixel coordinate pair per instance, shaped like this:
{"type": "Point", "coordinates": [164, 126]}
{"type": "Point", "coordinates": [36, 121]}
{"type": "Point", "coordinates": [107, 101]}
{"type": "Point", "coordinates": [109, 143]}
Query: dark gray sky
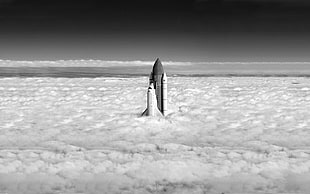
{"type": "Point", "coordinates": [184, 30]}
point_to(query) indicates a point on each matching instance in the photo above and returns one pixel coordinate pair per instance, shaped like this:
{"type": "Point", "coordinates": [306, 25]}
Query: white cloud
{"type": "Point", "coordinates": [231, 135]}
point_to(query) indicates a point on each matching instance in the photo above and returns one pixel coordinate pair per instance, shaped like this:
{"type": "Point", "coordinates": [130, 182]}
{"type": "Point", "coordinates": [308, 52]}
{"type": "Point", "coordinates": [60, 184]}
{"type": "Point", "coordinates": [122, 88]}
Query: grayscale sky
{"type": "Point", "coordinates": [184, 30]}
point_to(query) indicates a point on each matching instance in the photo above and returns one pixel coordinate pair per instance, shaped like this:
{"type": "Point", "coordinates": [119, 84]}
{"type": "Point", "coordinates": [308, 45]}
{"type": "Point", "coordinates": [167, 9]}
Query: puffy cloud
{"type": "Point", "coordinates": [221, 135]}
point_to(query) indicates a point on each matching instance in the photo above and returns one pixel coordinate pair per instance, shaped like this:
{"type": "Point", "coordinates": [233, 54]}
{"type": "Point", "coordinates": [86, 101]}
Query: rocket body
{"type": "Point", "coordinates": [164, 94]}
{"type": "Point", "coordinates": [157, 92]}
{"type": "Point", "coordinates": [151, 101]}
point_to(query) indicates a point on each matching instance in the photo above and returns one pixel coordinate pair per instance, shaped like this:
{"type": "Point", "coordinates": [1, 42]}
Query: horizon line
{"type": "Point", "coordinates": [111, 63]}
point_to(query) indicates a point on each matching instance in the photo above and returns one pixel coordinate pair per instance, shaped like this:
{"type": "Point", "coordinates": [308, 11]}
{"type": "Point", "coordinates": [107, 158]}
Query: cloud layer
{"type": "Point", "coordinates": [222, 135]}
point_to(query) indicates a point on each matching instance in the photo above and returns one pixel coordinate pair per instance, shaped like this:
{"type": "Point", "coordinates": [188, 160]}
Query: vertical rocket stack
{"type": "Point", "coordinates": [157, 92]}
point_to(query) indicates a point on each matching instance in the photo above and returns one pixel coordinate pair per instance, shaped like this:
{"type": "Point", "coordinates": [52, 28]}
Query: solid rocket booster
{"type": "Point", "coordinates": [164, 94]}
{"type": "Point", "coordinates": [157, 92]}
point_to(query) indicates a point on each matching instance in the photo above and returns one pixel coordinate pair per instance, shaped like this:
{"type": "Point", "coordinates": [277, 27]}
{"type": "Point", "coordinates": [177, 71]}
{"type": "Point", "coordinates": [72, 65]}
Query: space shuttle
{"type": "Point", "coordinates": [157, 92]}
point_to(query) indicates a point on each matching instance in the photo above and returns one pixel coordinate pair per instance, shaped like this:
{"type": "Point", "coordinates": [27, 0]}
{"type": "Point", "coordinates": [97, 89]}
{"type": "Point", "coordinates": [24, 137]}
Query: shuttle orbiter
{"type": "Point", "coordinates": [157, 92]}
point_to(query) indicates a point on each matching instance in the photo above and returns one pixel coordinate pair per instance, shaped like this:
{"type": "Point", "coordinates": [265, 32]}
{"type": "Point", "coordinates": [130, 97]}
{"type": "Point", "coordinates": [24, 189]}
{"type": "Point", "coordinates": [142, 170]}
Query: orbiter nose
{"type": "Point", "coordinates": [151, 87]}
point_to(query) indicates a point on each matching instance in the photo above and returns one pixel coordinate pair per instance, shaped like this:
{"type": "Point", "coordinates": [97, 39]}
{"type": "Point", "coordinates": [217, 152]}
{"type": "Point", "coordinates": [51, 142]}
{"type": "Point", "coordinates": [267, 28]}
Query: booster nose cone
{"type": "Point", "coordinates": [158, 68]}
{"type": "Point", "coordinates": [164, 77]}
